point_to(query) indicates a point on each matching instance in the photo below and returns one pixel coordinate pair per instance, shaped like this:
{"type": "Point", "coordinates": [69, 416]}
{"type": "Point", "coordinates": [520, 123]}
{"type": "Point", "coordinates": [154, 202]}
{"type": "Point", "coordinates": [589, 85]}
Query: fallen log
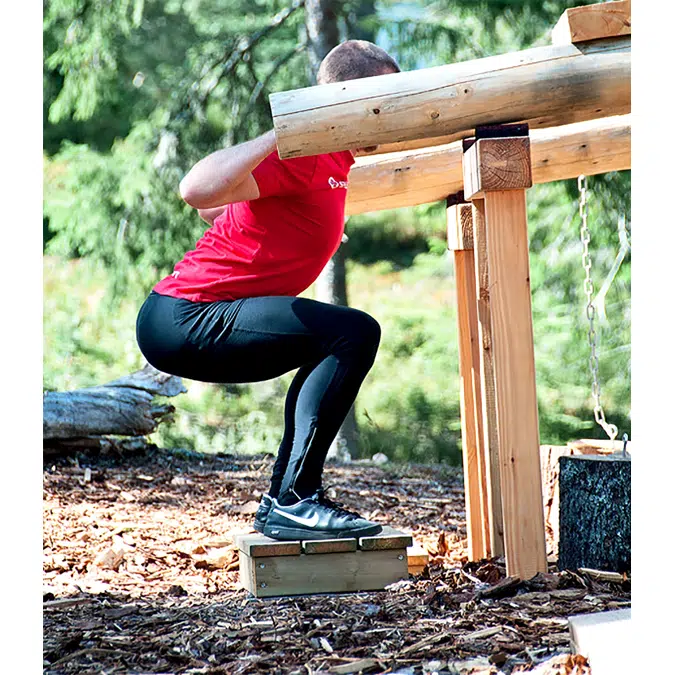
{"type": "Point", "coordinates": [124, 407]}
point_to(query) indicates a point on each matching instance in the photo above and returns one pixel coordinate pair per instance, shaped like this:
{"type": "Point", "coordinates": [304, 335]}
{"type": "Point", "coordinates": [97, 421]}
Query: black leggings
{"type": "Point", "coordinates": [256, 339]}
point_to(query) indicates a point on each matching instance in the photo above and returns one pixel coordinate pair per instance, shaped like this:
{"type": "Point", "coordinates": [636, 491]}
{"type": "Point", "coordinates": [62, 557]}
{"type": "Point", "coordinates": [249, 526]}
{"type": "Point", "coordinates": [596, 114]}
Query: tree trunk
{"type": "Point", "coordinates": [321, 20]}
{"type": "Point", "coordinates": [123, 407]}
{"type": "Point", "coordinates": [595, 510]}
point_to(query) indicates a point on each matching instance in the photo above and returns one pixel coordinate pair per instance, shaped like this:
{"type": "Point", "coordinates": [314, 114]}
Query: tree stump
{"type": "Point", "coordinates": [595, 512]}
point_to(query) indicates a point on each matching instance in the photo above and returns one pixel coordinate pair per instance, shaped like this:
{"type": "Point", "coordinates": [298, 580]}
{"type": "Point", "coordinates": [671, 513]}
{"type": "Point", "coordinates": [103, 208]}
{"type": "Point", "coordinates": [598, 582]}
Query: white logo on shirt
{"type": "Point", "coordinates": [337, 183]}
{"type": "Point", "coordinates": [175, 274]}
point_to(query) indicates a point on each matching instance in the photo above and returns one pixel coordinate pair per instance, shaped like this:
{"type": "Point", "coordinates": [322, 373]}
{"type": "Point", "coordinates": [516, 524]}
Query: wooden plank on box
{"type": "Point", "coordinates": [328, 573]}
{"type": "Point", "coordinates": [259, 546]}
{"type": "Point", "coordinates": [329, 546]}
{"type": "Point", "coordinates": [388, 539]}
{"type": "Point", "coordinates": [515, 385]}
{"type": "Point", "coordinates": [603, 638]}
{"type": "Point", "coordinates": [593, 22]}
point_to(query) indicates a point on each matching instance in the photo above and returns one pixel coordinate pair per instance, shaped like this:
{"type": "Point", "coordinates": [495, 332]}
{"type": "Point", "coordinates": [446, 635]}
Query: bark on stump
{"type": "Point", "coordinates": [595, 512]}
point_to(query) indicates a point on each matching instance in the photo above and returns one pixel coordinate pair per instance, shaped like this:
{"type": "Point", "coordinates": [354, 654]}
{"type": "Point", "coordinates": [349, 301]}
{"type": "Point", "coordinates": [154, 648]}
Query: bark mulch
{"type": "Point", "coordinates": [141, 576]}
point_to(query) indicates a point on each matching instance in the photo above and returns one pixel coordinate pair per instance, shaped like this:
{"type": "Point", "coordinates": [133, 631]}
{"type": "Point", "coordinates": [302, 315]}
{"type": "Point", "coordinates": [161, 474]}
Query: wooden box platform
{"type": "Point", "coordinates": [268, 567]}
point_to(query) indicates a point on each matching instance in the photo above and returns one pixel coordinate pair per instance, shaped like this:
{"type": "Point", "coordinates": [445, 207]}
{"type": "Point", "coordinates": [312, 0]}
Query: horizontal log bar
{"type": "Point", "coordinates": [431, 174]}
{"type": "Point", "coordinates": [575, 82]}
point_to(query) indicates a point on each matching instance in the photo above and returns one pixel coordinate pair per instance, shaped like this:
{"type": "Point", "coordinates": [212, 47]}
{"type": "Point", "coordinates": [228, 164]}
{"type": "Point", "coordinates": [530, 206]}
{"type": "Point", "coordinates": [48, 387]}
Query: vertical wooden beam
{"type": "Point", "coordinates": [498, 170]}
{"type": "Point", "coordinates": [516, 396]}
{"type": "Point", "coordinates": [488, 411]}
{"type": "Point", "coordinates": [460, 239]}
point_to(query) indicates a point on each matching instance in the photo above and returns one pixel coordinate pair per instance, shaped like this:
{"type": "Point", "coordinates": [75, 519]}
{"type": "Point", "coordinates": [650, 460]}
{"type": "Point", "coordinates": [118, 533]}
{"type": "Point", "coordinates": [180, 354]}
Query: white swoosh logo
{"type": "Point", "coordinates": [310, 522]}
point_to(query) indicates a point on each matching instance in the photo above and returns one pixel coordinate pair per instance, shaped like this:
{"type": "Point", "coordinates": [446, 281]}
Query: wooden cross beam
{"type": "Point", "coordinates": [575, 82]}
{"type": "Point", "coordinates": [430, 174]}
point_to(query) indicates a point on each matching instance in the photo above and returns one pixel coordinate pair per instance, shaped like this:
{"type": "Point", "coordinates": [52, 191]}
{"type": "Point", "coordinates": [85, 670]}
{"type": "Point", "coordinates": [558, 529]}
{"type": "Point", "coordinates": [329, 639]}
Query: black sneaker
{"type": "Point", "coordinates": [316, 517]}
{"type": "Point", "coordinates": [261, 515]}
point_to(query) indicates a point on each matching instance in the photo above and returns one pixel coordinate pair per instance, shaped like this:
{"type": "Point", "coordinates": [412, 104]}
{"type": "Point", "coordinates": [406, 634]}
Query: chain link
{"type": "Point", "coordinates": [610, 429]}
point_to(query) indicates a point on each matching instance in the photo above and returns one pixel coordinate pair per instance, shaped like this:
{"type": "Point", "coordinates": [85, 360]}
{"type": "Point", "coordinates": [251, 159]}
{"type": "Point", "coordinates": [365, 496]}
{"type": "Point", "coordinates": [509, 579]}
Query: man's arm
{"type": "Point", "coordinates": [225, 176]}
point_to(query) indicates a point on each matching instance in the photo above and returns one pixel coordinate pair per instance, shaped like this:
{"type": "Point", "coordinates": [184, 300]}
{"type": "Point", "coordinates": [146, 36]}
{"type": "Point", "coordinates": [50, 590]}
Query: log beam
{"type": "Point", "coordinates": [584, 81]}
{"type": "Point", "coordinates": [430, 174]}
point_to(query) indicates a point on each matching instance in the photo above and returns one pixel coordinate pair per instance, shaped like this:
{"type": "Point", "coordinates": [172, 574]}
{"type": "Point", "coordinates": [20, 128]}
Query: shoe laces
{"type": "Point", "coordinates": [335, 506]}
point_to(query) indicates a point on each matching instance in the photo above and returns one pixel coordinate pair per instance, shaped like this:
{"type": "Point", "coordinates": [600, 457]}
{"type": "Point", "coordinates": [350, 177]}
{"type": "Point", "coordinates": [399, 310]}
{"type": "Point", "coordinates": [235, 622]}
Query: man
{"type": "Point", "coordinates": [229, 313]}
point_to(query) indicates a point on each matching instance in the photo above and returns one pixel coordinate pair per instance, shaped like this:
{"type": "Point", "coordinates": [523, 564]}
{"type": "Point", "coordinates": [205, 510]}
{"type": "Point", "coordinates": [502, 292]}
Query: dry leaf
{"type": "Point", "coordinates": [218, 558]}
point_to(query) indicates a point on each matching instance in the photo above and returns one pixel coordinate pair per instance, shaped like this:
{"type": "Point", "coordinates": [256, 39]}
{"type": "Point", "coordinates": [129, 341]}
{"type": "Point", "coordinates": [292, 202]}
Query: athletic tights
{"type": "Point", "coordinates": [255, 339]}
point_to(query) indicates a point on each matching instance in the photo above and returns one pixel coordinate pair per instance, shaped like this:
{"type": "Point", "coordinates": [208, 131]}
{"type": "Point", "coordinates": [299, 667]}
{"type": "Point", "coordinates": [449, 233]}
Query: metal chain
{"type": "Point", "coordinates": [610, 429]}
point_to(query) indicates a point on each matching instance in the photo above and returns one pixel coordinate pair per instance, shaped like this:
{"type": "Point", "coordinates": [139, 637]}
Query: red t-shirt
{"type": "Point", "coordinates": [277, 244]}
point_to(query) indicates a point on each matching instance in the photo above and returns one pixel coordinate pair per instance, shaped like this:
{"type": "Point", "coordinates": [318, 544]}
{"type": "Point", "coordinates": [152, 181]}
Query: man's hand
{"type": "Point", "coordinates": [225, 176]}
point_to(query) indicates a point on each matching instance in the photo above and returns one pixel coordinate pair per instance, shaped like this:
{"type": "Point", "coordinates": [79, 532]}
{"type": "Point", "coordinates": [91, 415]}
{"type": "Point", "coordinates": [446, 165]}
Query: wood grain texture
{"type": "Point", "coordinates": [497, 164]}
{"type": "Point", "coordinates": [469, 375]}
{"type": "Point", "coordinates": [431, 174]}
{"type": "Point", "coordinates": [326, 573]}
{"type": "Point", "coordinates": [530, 84]}
{"type": "Point", "coordinates": [258, 545]}
{"type": "Point", "coordinates": [329, 546]}
{"type": "Point", "coordinates": [460, 227]}
{"type": "Point", "coordinates": [417, 555]}
{"type": "Point", "coordinates": [388, 539]}
{"type": "Point", "coordinates": [515, 388]}
{"type": "Point", "coordinates": [487, 415]}
{"type": "Point", "coordinates": [593, 22]}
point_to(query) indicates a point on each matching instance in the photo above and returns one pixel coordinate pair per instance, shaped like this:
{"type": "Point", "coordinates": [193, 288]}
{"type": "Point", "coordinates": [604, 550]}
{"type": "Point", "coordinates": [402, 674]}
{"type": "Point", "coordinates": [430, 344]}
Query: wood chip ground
{"type": "Point", "coordinates": [140, 576]}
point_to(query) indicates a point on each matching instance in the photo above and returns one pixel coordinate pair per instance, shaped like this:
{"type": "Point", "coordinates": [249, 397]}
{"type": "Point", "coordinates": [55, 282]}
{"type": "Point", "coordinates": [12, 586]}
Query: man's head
{"type": "Point", "coordinates": [355, 59]}
{"type": "Point", "coordinates": [352, 60]}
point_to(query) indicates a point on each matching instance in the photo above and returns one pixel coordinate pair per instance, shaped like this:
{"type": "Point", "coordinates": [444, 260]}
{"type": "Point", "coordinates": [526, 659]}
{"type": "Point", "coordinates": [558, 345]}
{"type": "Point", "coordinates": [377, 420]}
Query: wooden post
{"type": "Point", "coordinates": [460, 240]}
{"type": "Point", "coordinates": [487, 382]}
{"type": "Point", "coordinates": [497, 169]}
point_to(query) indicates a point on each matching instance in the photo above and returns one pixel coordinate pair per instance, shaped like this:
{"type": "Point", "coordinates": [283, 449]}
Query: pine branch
{"type": "Point", "coordinates": [246, 44]}
{"type": "Point", "coordinates": [262, 85]}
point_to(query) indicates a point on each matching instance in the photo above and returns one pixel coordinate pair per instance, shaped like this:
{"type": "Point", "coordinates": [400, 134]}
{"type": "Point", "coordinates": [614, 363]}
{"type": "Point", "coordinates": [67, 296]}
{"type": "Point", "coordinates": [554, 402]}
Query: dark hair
{"type": "Point", "coordinates": [354, 59]}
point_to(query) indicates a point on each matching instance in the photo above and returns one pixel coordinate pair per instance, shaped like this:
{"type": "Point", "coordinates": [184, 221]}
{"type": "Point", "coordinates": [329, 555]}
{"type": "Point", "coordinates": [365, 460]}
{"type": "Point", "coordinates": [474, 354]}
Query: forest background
{"type": "Point", "coordinates": [135, 92]}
